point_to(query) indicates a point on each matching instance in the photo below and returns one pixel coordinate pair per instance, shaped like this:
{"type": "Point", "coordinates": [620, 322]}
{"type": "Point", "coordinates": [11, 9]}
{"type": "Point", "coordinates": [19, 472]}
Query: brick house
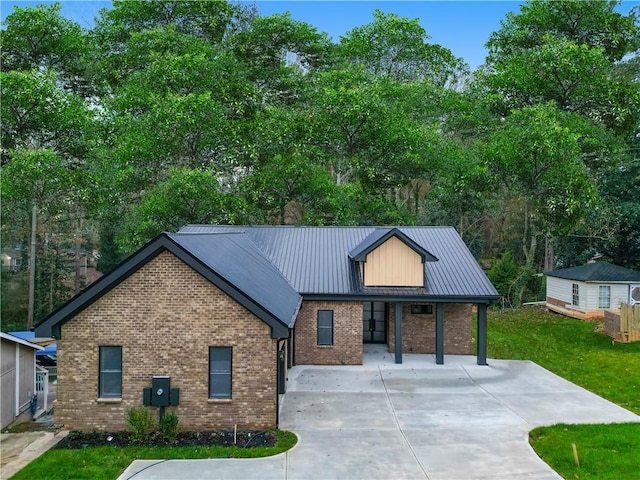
{"type": "Point", "coordinates": [220, 313]}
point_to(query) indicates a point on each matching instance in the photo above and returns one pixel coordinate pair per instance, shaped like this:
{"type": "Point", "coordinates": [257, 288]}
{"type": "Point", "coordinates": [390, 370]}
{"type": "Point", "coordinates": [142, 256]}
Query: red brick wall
{"type": "Point", "coordinates": [347, 334]}
{"type": "Point", "coordinates": [419, 330]}
{"type": "Point", "coordinates": [165, 317]}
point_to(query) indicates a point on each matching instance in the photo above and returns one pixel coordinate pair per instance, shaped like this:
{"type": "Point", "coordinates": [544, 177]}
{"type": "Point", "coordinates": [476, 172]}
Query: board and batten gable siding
{"type": "Point", "coordinates": [165, 317]}
{"type": "Point", "coordinates": [394, 264]}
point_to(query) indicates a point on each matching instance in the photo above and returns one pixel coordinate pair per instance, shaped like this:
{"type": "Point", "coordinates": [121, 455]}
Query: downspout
{"type": "Point", "coordinates": [278, 381]}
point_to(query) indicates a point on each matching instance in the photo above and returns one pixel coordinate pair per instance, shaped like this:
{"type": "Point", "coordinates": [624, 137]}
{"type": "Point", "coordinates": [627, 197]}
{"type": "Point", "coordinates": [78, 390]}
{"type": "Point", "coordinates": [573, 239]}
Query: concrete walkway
{"type": "Point", "coordinates": [417, 420]}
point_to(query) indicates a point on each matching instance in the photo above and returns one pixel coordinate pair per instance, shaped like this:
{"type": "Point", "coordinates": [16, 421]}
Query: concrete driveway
{"type": "Point", "coordinates": [417, 420]}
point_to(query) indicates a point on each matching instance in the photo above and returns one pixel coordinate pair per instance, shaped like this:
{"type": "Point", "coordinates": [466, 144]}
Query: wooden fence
{"type": "Point", "coordinates": [623, 327]}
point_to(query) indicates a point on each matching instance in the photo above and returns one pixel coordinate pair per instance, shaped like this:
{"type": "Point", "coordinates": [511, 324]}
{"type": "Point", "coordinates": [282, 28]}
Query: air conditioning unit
{"type": "Point", "coordinates": [634, 294]}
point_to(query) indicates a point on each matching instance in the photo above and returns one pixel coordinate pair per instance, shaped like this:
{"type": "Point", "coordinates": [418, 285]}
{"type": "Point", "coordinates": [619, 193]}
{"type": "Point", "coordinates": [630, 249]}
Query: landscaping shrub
{"type": "Point", "coordinates": [140, 423]}
{"type": "Point", "coordinates": [169, 426]}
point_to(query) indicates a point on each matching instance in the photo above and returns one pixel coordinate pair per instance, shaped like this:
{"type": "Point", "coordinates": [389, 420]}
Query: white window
{"type": "Point", "coordinates": [604, 296]}
{"type": "Point", "coordinates": [575, 297]}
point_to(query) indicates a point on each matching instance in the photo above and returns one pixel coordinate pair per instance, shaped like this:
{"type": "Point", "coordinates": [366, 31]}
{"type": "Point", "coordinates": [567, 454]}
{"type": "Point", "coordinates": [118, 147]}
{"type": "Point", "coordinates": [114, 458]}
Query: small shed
{"type": "Point", "coordinates": [18, 372]}
{"type": "Point", "coordinates": [587, 291]}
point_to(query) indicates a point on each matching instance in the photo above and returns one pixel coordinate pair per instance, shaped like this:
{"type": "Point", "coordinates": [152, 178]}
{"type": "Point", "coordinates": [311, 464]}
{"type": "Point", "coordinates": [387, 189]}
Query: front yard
{"type": "Point", "coordinates": [570, 348]}
{"type": "Point", "coordinates": [576, 351]}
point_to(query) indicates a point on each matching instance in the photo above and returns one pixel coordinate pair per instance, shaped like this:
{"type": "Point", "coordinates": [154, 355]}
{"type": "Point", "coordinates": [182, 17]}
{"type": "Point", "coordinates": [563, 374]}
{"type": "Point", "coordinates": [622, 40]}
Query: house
{"type": "Point", "coordinates": [18, 372]}
{"type": "Point", "coordinates": [216, 315]}
{"type": "Point", "coordinates": [586, 291]}
{"type": "Point", "coordinates": [45, 357]}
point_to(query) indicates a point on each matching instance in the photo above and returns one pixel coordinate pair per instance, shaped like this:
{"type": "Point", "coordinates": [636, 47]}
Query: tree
{"type": "Point", "coordinates": [40, 38]}
{"type": "Point", "coordinates": [397, 48]}
{"type": "Point", "coordinates": [37, 113]}
{"type": "Point", "coordinates": [537, 157]}
{"type": "Point", "coordinates": [186, 196]}
{"type": "Point", "coordinates": [278, 52]}
{"type": "Point", "coordinates": [564, 52]}
{"type": "Point", "coordinates": [212, 22]}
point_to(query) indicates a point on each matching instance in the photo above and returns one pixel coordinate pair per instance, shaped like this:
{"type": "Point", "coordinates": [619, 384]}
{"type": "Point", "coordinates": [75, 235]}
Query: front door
{"type": "Point", "coordinates": [374, 315]}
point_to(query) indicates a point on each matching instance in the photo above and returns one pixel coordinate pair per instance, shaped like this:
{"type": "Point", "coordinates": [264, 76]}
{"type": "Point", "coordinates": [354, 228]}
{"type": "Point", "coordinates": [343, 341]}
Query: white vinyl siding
{"type": "Point", "coordinates": [619, 294]}
{"type": "Point", "coordinates": [561, 289]}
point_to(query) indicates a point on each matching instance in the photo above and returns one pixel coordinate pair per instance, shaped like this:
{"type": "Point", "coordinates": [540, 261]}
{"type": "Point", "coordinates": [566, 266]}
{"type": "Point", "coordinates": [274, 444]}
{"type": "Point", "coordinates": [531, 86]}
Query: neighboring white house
{"type": "Point", "coordinates": [18, 372]}
{"type": "Point", "coordinates": [588, 290]}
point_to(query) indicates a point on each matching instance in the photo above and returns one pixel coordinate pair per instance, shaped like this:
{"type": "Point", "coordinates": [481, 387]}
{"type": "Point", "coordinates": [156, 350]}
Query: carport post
{"type": "Point", "coordinates": [482, 334]}
{"type": "Point", "coordinates": [439, 333]}
{"type": "Point", "coordinates": [398, 331]}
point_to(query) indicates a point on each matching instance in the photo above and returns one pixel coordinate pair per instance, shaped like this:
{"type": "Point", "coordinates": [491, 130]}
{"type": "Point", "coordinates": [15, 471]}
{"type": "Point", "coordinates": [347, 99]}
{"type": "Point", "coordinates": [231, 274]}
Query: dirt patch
{"type": "Point", "coordinates": [227, 438]}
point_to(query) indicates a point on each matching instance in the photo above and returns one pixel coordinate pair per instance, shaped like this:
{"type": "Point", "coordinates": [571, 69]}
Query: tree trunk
{"type": "Point", "coordinates": [549, 254]}
{"type": "Point", "coordinates": [32, 268]}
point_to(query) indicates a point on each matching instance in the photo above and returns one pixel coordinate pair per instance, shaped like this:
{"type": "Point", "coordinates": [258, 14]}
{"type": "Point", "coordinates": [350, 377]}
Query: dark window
{"type": "Point", "coordinates": [575, 298]}
{"type": "Point", "coordinates": [110, 382]}
{"type": "Point", "coordinates": [422, 309]}
{"type": "Point", "coordinates": [220, 372]}
{"type": "Point", "coordinates": [325, 327]}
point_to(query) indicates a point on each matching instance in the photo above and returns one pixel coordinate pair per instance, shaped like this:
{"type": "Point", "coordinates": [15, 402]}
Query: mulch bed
{"type": "Point", "coordinates": [243, 439]}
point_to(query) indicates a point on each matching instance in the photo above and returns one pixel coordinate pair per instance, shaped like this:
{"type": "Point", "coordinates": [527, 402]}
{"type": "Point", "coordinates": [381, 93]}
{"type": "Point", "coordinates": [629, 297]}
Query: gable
{"type": "Point", "coordinates": [393, 264]}
{"type": "Point", "coordinates": [279, 322]}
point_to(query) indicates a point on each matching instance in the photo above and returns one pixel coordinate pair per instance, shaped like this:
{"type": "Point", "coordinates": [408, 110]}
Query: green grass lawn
{"type": "Point", "coordinates": [107, 463]}
{"type": "Point", "coordinates": [570, 348]}
{"type": "Point", "coordinates": [574, 350]}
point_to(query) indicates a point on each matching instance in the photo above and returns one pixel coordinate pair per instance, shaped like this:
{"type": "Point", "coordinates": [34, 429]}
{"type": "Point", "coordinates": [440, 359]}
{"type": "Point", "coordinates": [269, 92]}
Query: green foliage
{"type": "Point", "coordinates": [605, 452]}
{"type": "Point", "coordinates": [140, 423]}
{"type": "Point", "coordinates": [169, 426]}
{"type": "Point", "coordinates": [505, 274]}
{"type": "Point", "coordinates": [397, 48]}
{"type": "Point", "coordinates": [167, 113]}
{"type": "Point", "coordinates": [39, 38]}
{"type": "Point", "coordinates": [186, 196]}
{"type": "Point", "coordinates": [107, 463]}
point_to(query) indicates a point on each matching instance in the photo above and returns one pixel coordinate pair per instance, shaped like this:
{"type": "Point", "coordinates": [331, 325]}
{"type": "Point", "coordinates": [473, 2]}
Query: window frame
{"type": "Point", "coordinates": [601, 304]}
{"type": "Point", "coordinates": [223, 395]}
{"type": "Point", "coordinates": [575, 294]}
{"type": "Point", "coordinates": [320, 340]}
{"type": "Point", "coordinates": [104, 371]}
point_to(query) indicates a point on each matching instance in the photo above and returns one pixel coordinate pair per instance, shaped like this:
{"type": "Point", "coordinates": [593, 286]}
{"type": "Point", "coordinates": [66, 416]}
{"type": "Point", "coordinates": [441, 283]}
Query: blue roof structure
{"type": "Point", "coordinates": [51, 349]}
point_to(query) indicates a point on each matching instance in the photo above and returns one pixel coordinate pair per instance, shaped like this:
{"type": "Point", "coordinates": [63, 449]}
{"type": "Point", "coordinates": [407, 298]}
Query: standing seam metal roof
{"type": "Point", "coordinates": [315, 260]}
{"type": "Point", "coordinates": [239, 260]}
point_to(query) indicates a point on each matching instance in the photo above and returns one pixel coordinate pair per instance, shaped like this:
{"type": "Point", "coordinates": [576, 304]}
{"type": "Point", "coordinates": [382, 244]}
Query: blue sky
{"type": "Point", "coordinates": [461, 26]}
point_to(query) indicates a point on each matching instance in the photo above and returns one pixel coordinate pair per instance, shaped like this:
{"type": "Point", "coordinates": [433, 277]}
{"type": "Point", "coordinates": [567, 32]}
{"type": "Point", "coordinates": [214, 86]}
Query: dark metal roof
{"type": "Point", "coordinates": [316, 261]}
{"type": "Point", "coordinates": [597, 272]}
{"type": "Point", "coordinates": [280, 319]}
{"type": "Point", "coordinates": [381, 235]}
{"type": "Point", "coordinates": [242, 264]}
